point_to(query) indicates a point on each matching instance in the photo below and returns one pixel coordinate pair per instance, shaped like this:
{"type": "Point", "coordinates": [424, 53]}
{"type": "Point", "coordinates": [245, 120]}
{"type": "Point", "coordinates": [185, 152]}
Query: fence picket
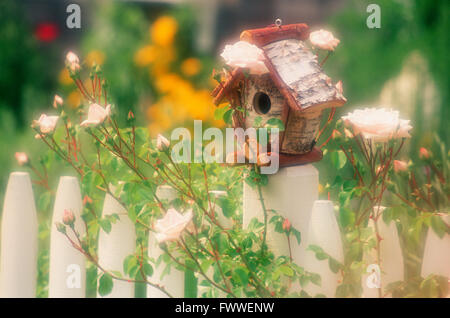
{"type": "Point", "coordinates": [67, 269]}
{"type": "Point", "coordinates": [173, 282]}
{"type": "Point", "coordinates": [19, 239]}
{"type": "Point", "coordinates": [115, 246]}
{"type": "Point", "coordinates": [324, 232]}
{"type": "Point", "coordinates": [291, 192]}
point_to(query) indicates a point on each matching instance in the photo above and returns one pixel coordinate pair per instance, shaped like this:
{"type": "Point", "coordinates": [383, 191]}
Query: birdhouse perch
{"type": "Point", "coordinates": [290, 85]}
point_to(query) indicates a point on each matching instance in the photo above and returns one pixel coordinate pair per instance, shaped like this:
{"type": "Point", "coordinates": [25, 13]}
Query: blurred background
{"type": "Point", "coordinates": [159, 55]}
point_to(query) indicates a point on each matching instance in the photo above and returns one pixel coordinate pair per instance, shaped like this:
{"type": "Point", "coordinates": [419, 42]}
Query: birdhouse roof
{"type": "Point", "coordinates": [293, 68]}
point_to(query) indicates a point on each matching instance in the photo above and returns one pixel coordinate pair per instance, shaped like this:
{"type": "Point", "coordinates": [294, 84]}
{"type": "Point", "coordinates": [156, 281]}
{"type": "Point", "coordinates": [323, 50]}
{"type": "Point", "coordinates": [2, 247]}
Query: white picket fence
{"type": "Point", "coordinates": [293, 191]}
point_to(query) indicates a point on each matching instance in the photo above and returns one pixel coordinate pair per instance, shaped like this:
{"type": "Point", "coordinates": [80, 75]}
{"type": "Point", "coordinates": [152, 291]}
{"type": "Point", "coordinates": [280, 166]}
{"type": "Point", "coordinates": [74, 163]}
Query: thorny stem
{"type": "Point", "coordinates": [263, 205]}
{"type": "Point", "coordinates": [94, 260]}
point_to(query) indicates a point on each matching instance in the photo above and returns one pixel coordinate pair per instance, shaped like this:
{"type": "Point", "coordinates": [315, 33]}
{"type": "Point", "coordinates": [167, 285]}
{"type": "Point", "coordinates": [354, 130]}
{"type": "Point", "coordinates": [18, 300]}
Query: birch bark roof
{"type": "Point", "coordinates": [294, 69]}
{"type": "Point", "coordinates": [299, 70]}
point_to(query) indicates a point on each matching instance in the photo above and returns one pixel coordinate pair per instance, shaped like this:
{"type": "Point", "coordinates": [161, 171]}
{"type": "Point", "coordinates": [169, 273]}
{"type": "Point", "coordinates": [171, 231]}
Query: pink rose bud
{"type": "Point", "coordinates": [57, 101]}
{"type": "Point", "coordinates": [424, 153]}
{"type": "Point", "coordinates": [162, 143]}
{"type": "Point", "coordinates": [68, 217]}
{"type": "Point", "coordinates": [21, 158]}
{"type": "Point", "coordinates": [400, 166]}
{"type": "Point", "coordinates": [323, 40]}
{"type": "Point", "coordinates": [286, 225]}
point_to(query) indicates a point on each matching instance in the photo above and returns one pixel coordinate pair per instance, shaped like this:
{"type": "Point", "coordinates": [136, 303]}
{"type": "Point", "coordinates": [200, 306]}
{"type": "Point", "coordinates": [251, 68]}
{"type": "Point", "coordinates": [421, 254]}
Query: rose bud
{"type": "Point", "coordinates": [400, 166]}
{"type": "Point", "coordinates": [424, 153]}
{"type": "Point", "coordinates": [162, 143]}
{"type": "Point", "coordinates": [286, 225]}
{"type": "Point", "coordinates": [22, 158]}
{"type": "Point", "coordinates": [68, 217]}
{"type": "Point", "coordinates": [57, 101]}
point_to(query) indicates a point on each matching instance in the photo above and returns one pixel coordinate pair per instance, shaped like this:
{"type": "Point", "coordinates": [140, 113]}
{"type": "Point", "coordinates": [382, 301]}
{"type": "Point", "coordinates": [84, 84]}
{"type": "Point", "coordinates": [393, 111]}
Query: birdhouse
{"type": "Point", "coordinates": [288, 83]}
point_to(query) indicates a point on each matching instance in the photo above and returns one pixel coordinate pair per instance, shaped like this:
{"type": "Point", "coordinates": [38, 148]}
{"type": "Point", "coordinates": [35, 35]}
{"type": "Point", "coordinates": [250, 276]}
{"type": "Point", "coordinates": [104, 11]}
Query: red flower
{"type": "Point", "coordinates": [46, 31]}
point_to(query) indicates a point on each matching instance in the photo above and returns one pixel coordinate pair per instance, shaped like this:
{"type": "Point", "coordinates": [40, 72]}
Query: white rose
{"type": "Point", "coordinates": [46, 123]}
{"type": "Point", "coordinates": [170, 227]}
{"type": "Point", "coordinates": [323, 40]}
{"type": "Point", "coordinates": [378, 124]}
{"type": "Point", "coordinates": [96, 115]}
{"type": "Point", "coordinates": [245, 55]}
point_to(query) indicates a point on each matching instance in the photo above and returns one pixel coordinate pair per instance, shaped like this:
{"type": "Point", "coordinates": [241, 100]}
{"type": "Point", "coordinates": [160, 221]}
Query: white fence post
{"type": "Point", "coordinates": [436, 256]}
{"type": "Point", "coordinates": [391, 260]}
{"type": "Point", "coordinates": [324, 232]}
{"type": "Point", "coordinates": [67, 270]}
{"type": "Point", "coordinates": [115, 246]}
{"type": "Point", "coordinates": [291, 192]}
{"type": "Point", "coordinates": [173, 282]}
{"type": "Point", "coordinates": [19, 239]}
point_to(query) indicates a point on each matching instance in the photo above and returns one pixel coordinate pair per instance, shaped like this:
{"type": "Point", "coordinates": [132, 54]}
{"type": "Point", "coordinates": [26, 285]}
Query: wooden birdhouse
{"type": "Point", "coordinates": [293, 88]}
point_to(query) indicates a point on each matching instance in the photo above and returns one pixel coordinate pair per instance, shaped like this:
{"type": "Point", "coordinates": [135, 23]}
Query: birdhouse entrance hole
{"type": "Point", "coordinates": [261, 103]}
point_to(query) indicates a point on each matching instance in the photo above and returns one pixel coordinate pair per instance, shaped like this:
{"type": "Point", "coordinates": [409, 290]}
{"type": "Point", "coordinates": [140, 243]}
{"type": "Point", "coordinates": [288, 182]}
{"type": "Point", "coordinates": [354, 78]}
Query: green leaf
{"type": "Point", "coordinates": [105, 285]}
{"type": "Point", "coordinates": [227, 206]}
{"type": "Point", "coordinates": [147, 269]}
{"type": "Point", "coordinates": [129, 263]}
{"type": "Point", "coordinates": [346, 217]}
{"type": "Point", "coordinates": [228, 116]}
{"type": "Point", "coordinates": [297, 235]}
{"type": "Point", "coordinates": [286, 270]}
{"type": "Point", "coordinates": [334, 265]}
{"type": "Point", "coordinates": [105, 224]}
{"type": "Point", "coordinates": [257, 121]}
{"type": "Point", "coordinates": [243, 276]}
{"type": "Point", "coordinates": [315, 279]}
{"type": "Point", "coordinates": [219, 112]}
{"type": "Point", "coordinates": [275, 123]}
{"type": "Point", "coordinates": [338, 159]}
{"type": "Point", "coordinates": [349, 185]}
{"type": "Point", "coordinates": [438, 226]}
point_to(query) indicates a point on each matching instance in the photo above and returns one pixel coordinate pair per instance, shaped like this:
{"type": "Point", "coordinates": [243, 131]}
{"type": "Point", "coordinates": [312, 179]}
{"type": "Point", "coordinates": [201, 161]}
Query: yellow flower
{"type": "Point", "coordinates": [95, 57]}
{"type": "Point", "coordinates": [191, 66]}
{"type": "Point", "coordinates": [74, 99]}
{"type": "Point", "coordinates": [163, 30]}
{"type": "Point", "coordinates": [320, 188]}
{"type": "Point", "coordinates": [168, 82]}
{"type": "Point", "coordinates": [64, 77]}
{"type": "Point", "coordinates": [144, 56]}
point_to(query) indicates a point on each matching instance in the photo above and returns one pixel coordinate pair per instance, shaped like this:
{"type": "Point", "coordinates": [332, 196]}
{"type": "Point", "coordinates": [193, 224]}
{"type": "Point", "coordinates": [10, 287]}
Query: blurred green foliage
{"type": "Point", "coordinates": [367, 58]}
